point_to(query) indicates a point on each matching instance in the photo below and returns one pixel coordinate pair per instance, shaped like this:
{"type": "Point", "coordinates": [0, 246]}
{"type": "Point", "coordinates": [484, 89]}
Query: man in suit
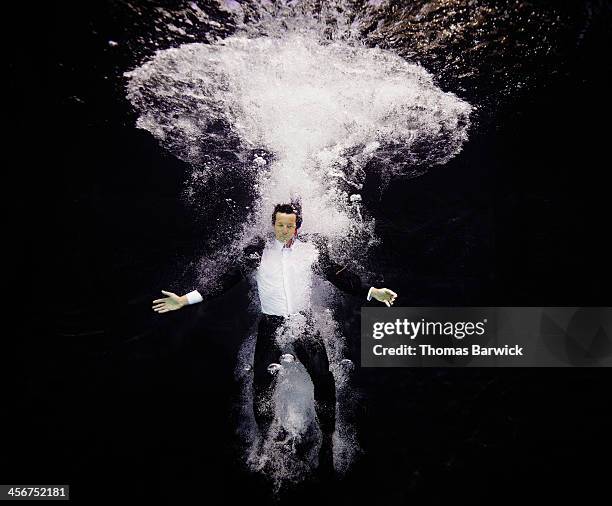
{"type": "Point", "coordinates": [283, 269]}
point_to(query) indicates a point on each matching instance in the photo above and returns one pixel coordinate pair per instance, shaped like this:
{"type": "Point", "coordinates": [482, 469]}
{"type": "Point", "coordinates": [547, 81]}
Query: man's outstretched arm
{"type": "Point", "coordinates": [172, 301]}
{"type": "Point", "coordinates": [349, 282]}
{"type": "Point", "coordinates": [252, 254]}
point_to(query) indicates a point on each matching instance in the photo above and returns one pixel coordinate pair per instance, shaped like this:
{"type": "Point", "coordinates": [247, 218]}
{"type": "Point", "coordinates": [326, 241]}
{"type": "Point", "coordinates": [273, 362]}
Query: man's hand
{"type": "Point", "coordinates": [170, 303]}
{"type": "Point", "coordinates": [384, 295]}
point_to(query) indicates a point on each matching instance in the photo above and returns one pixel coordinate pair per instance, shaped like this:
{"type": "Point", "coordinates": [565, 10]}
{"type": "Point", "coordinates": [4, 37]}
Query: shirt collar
{"type": "Point", "coordinates": [278, 245]}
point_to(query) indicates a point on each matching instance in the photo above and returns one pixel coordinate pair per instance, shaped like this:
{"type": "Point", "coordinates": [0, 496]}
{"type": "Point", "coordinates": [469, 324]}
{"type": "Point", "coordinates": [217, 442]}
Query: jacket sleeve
{"type": "Point", "coordinates": [339, 275]}
{"type": "Point", "coordinates": [249, 259]}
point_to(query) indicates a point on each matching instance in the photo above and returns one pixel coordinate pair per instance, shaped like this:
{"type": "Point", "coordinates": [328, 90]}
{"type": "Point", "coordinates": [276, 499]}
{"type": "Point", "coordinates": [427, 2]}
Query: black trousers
{"type": "Point", "coordinates": [309, 349]}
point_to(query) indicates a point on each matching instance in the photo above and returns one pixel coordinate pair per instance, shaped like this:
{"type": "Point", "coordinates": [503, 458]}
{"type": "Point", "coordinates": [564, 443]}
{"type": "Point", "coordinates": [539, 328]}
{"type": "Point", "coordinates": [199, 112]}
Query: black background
{"type": "Point", "coordinates": [108, 397]}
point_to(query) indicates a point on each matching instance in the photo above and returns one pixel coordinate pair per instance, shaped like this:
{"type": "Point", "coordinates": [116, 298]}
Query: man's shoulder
{"type": "Point", "coordinates": [257, 243]}
{"type": "Point", "coordinates": [311, 239]}
{"type": "Point", "coordinates": [252, 252]}
{"type": "Point", "coordinates": [304, 242]}
{"type": "Point", "coordinates": [309, 243]}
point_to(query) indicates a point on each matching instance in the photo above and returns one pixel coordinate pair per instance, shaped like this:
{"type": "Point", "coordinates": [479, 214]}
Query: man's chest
{"type": "Point", "coordinates": [283, 265]}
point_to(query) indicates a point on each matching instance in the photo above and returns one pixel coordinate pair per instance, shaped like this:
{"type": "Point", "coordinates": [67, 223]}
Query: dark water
{"type": "Point", "coordinates": [109, 397]}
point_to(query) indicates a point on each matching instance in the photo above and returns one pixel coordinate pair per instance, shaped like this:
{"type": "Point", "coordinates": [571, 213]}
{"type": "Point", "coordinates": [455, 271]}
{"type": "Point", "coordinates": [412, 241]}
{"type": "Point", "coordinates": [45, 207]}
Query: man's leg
{"type": "Point", "coordinates": [266, 353]}
{"type": "Point", "coordinates": [310, 351]}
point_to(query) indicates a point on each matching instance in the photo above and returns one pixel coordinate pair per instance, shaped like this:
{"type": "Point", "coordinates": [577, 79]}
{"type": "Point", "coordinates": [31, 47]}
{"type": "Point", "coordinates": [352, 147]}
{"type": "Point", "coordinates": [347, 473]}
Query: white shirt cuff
{"type": "Point", "coordinates": [370, 293]}
{"type": "Point", "coordinates": [194, 297]}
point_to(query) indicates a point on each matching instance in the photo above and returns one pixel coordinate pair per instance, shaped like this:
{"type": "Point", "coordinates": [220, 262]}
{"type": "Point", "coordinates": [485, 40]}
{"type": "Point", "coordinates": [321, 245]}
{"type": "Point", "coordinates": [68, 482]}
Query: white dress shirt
{"type": "Point", "coordinates": [284, 278]}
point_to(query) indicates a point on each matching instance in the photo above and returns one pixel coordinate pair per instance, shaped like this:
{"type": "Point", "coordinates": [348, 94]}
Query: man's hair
{"type": "Point", "coordinates": [292, 208]}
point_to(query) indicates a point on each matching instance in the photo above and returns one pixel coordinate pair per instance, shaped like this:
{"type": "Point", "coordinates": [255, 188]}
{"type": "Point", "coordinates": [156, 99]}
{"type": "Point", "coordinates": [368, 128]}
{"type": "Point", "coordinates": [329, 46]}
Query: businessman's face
{"type": "Point", "coordinates": [284, 226]}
